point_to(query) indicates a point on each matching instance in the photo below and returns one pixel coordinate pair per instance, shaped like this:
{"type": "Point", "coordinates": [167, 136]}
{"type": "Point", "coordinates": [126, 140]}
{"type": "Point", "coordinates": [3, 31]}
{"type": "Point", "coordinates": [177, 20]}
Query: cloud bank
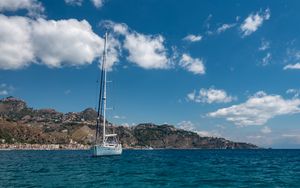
{"type": "Point", "coordinates": [49, 42]}
{"type": "Point", "coordinates": [146, 51]}
{"type": "Point", "coordinates": [258, 109]}
{"type": "Point", "coordinates": [33, 7]}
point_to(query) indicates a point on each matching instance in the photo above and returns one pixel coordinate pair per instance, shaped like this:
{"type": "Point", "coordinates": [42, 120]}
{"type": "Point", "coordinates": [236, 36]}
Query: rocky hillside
{"type": "Point", "coordinates": [21, 124]}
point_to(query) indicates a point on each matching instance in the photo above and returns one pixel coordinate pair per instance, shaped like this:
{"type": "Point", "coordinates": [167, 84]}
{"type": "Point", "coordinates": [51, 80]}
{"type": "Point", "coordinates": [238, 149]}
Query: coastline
{"type": "Point", "coordinates": [26, 146]}
{"type": "Point", "coordinates": [23, 146]}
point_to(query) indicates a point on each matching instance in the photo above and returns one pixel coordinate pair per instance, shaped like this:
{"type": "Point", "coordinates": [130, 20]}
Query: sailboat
{"type": "Point", "coordinates": [109, 144]}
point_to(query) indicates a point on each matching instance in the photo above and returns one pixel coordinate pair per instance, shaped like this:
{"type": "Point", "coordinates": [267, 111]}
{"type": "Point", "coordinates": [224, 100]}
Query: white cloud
{"type": "Point", "coordinates": [295, 92]}
{"type": "Point", "coordinates": [193, 38]}
{"type": "Point", "coordinates": [294, 53]}
{"type": "Point", "coordinates": [291, 138]}
{"type": "Point", "coordinates": [292, 66]}
{"type": "Point", "coordinates": [266, 60]}
{"type": "Point", "coordinates": [34, 7]}
{"type": "Point", "coordinates": [254, 136]}
{"type": "Point", "coordinates": [292, 59]}
{"type": "Point", "coordinates": [74, 2]}
{"type": "Point", "coordinates": [117, 27]}
{"type": "Point", "coordinates": [146, 51]}
{"type": "Point", "coordinates": [254, 21]}
{"type": "Point", "coordinates": [24, 41]}
{"type": "Point", "coordinates": [128, 124]}
{"type": "Point", "coordinates": [258, 109]}
{"type": "Point", "coordinates": [291, 135]}
{"type": "Point", "coordinates": [210, 95]}
{"type": "Point", "coordinates": [125, 124]}
{"type": "Point", "coordinates": [65, 42]}
{"type": "Point", "coordinates": [113, 52]}
{"type": "Point", "coordinates": [193, 65]}
{"type": "Point", "coordinates": [119, 117]}
{"type": "Point", "coordinates": [191, 96]}
{"type": "Point", "coordinates": [98, 3]}
{"type": "Point", "coordinates": [265, 140]}
{"type": "Point", "coordinates": [175, 55]}
{"type": "Point", "coordinates": [224, 27]}
{"type": "Point", "coordinates": [264, 45]}
{"type": "Point", "coordinates": [186, 125]}
{"type": "Point", "coordinates": [266, 130]}
{"type": "Point", "coordinates": [3, 92]}
{"type": "Point", "coordinates": [208, 133]}
{"type": "Point", "coordinates": [189, 126]}
{"type": "Point", "coordinates": [206, 24]}
{"type": "Point", "coordinates": [149, 52]}
{"type": "Point", "coordinates": [16, 48]}
{"type": "Point", "coordinates": [5, 89]}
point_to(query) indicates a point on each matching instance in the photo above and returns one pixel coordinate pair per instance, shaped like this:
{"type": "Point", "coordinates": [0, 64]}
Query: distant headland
{"type": "Point", "coordinates": [22, 127]}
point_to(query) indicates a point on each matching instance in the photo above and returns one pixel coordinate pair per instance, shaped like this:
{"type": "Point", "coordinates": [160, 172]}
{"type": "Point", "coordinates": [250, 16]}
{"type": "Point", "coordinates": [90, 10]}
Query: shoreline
{"type": "Point", "coordinates": [26, 146]}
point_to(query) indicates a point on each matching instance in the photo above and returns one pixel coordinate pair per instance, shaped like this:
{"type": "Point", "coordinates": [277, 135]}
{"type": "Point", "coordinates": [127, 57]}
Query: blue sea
{"type": "Point", "coordinates": [151, 168]}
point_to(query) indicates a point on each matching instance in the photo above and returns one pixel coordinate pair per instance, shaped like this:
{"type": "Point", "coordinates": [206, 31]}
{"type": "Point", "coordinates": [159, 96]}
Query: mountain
{"type": "Point", "coordinates": [21, 124]}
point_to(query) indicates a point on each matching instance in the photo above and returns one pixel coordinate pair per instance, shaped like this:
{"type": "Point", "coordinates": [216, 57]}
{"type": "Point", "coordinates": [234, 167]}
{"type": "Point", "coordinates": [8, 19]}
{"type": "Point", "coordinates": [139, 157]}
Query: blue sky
{"type": "Point", "coordinates": [221, 69]}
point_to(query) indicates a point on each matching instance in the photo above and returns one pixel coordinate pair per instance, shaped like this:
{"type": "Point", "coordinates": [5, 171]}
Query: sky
{"type": "Point", "coordinates": [226, 69]}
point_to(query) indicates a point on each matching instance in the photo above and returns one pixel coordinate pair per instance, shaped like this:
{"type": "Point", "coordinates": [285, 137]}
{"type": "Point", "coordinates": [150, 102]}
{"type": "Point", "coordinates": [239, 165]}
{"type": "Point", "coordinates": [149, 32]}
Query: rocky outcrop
{"type": "Point", "coordinates": [20, 124]}
{"type": "Point", "coordinates": [88, 114]}
{"type": "Point", "coordinates": [167, 136]}
{"type": "Point", "coordinates": [11, 104]}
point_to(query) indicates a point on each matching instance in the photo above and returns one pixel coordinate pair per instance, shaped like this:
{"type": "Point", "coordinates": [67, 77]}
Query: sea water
{"type": "Point", "coordinates": [151, 168]}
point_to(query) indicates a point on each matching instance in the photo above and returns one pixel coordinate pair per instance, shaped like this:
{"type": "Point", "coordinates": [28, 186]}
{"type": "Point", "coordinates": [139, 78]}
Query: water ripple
{"type": "Point", "coordinates": [155, 168]}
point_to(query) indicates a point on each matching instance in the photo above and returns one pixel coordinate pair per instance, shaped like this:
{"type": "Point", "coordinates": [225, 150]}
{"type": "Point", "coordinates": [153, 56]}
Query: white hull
{"type": "Point", "coordinates": [100, 150]}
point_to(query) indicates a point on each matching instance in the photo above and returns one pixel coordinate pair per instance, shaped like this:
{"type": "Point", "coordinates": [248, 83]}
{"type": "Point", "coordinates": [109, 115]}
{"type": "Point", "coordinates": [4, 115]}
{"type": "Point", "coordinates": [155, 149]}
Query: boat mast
{"type": "Point", "coordinates": [100, 102]}
{"type": "Point", "coordinates": [104, 87]}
